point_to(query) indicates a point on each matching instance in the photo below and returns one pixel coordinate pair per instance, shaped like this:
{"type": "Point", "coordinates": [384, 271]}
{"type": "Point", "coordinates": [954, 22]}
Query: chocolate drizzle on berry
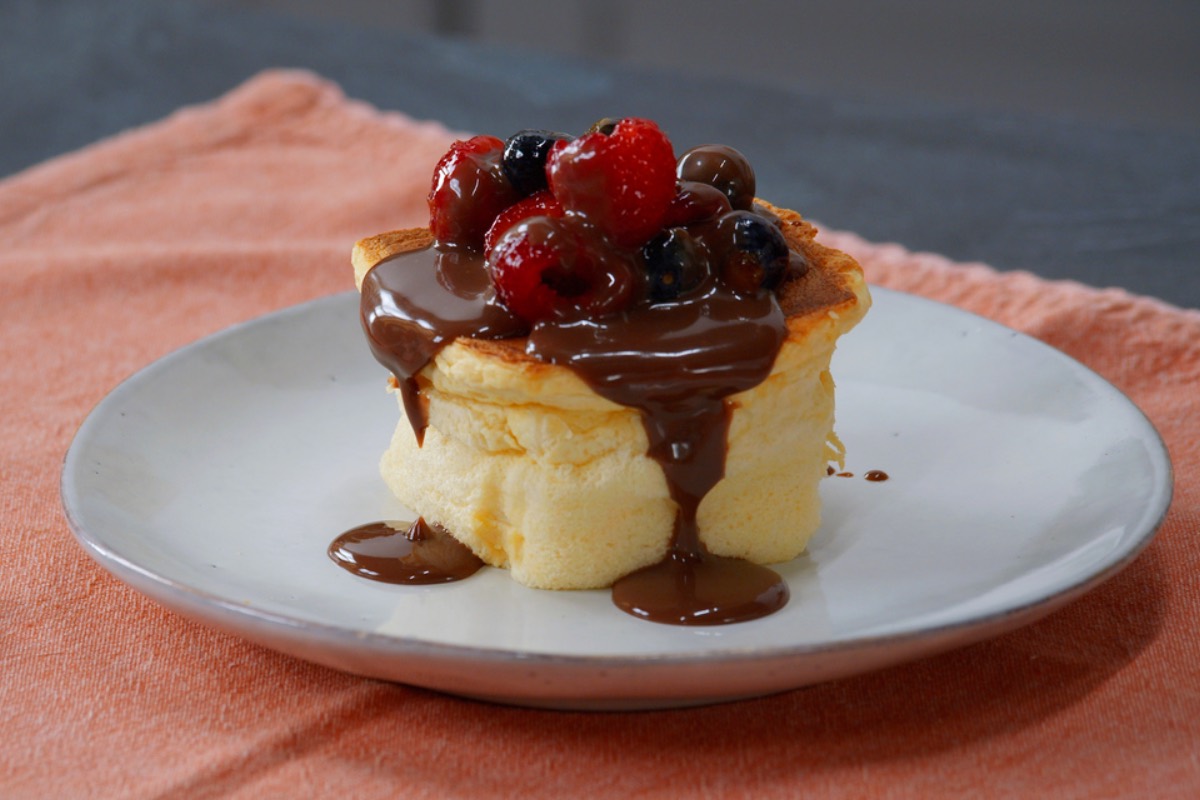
{"type": "Point", "coordinates": [659, 282]}
{"type": "Point", "coordinates": [469, 191]}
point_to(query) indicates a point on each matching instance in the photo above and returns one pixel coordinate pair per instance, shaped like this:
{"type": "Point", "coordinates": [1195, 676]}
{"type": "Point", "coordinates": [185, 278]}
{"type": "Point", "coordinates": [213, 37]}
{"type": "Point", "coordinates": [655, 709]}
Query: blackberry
{"type": "Point", "coordinates": [524, 160]}
{"type": "Point", "coordinates": [754, 253]}
{"type": "Point", "coordinates": [675, 264]}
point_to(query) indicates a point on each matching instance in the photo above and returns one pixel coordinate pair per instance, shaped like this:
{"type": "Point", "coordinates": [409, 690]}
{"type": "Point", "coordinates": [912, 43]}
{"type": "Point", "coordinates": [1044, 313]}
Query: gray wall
{"type": "Point", "coordinates": [1101, 60]}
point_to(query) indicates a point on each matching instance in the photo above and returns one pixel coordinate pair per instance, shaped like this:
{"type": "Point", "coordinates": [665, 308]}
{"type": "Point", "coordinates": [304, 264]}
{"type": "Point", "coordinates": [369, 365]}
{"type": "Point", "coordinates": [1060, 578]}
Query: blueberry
{"type": "Point", "coordinates": [525, 155]}
{"type": "Point", "coordinates": [722, 167]}
{"type": "Point", "coordinates": [754, 253]}
{"type": "Point", "coordinates": [675, 265]}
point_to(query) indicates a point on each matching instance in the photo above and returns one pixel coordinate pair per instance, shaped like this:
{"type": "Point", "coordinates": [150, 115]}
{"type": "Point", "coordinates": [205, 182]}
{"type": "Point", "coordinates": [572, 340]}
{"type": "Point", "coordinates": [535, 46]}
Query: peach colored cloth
{"type": "Point", "coordinates": [116, 255]}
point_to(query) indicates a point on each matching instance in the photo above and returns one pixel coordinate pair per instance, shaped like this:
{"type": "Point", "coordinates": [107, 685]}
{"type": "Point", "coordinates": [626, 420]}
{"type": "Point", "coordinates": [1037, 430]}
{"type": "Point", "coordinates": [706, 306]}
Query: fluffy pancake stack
{"type": "Point", "coordinates": [536, 473]}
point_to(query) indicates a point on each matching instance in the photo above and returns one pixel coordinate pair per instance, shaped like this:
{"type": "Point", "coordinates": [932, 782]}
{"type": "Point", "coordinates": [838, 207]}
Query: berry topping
{"type": "Point", "coordinates": [696, 202]}
{"type": "Point", "coordinates": [722, 167]}
{"type": "Point", "coordinates": [525, 159]}
{"type": "Point", "coordinates": [675, 265]}
{"type": "Point", "coordinates": [541, 204]}
{"type": "Point", "coordinates": [623, 182]}
{"type": "Point", "coordinates": [469, 190]}
{"type": "Point", "coordinates": [559, 269]}
{"type": "Point", "coordinates": [581, 228]}
{"type": "Point", "coordinates": [753, 253]}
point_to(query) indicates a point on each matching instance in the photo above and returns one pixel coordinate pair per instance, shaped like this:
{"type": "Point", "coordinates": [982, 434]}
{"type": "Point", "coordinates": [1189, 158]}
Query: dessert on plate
{"type": "Point", "coordinates": [612, 366]}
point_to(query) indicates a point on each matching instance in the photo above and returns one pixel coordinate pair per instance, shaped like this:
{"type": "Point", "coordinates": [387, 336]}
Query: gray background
{"type": "Point", "coordinates": [1056, 137]}
{"type": "Point", "coordinates": [1101, 60]}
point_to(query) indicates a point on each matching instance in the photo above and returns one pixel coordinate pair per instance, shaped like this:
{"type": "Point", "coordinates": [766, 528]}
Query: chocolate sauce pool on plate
{"type": "Point", "coordinates": [674, 362]}
{"type": "Point", "coordinates": [404, 552]}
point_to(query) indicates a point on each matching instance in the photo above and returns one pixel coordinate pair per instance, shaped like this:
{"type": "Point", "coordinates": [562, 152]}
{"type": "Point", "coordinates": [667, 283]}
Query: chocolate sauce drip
{"type": "Point", "coordinates": [876, 475]}
{"type": "Point", "coordinates": [416, 303]}
{"type": "Point", "coordinates": [402, 552]}
{"type": "Point", "coordinates": [674, 362]}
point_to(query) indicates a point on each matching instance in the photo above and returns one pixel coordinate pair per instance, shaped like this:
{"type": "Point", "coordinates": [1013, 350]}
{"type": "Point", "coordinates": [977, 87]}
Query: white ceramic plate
{"type": "Point", "coordinates": [214, 480]}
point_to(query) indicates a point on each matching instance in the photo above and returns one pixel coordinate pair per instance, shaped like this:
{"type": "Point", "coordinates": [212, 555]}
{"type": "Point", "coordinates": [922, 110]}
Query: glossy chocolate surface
{"type": "Point", "coordinates": [411, 553]}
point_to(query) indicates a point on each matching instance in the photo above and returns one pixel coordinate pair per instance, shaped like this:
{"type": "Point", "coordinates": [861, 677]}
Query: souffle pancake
{"type": "Point", "coordinates": [612, 367]}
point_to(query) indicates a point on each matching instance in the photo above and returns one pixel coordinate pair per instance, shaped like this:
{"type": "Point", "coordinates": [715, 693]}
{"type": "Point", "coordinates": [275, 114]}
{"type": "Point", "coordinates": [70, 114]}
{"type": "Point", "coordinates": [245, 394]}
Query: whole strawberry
{"type": "Point", "coordinates": [622, 182]}
{"type": "Point", "coordinates": [548, 268]}
{"type": "Point", "coordinates": [469, 191]}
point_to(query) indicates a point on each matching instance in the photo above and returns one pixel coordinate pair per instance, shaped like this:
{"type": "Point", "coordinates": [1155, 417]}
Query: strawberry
{"type": "Point", "coordinates": [469, 191]}
{"type": "Point", "coordinates": [547, 268]}
{"type": "Point", "coordinates": [622, 182]}
{"type": "Point", "coordinates": [540, 204]}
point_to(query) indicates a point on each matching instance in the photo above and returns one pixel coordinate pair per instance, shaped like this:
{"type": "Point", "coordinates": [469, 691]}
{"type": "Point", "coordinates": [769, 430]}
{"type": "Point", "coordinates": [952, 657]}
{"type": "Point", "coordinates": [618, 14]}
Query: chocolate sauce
{"type": "Point", "coordinates": [403, 552]}
{"type": "Point", "coordinates": [674, 362]}
{"type": "Point", "coordinates": [416, 303]}
{"type": "Point", "coordinates": [875, 475]}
